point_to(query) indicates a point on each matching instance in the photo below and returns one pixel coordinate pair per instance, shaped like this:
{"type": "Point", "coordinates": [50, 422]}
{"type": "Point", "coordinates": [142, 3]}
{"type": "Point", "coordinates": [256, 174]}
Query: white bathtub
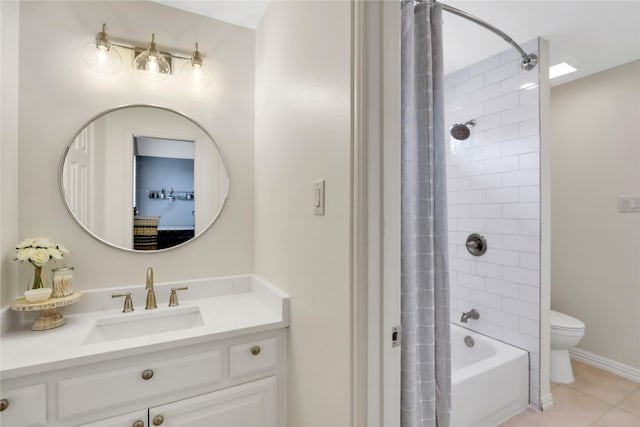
{"type": "Point", "coordinates": [490, 381]}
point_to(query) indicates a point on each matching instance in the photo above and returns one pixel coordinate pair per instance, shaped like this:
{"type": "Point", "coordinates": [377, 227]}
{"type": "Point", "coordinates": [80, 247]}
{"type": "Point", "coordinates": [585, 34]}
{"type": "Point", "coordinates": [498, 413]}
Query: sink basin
{"type": "Point", "coordinates": [143, 324]}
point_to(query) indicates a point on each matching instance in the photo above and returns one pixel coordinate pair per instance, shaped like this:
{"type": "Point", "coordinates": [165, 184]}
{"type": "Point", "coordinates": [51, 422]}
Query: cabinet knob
{"type": "Point", "coordinates": [147, 374]}
{"type": "Point", "coordinates": [158, 420]}
{"type": "Point", "coordinates": [4, 404]}
{"type": "Point", "coordinates": [138, 423]}
{"type": "Point", "coordinates": [255, 350]}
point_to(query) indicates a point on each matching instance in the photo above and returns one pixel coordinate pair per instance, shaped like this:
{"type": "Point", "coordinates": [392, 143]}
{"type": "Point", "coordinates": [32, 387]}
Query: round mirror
{"type": "Point", "coordinates": [143, 178]}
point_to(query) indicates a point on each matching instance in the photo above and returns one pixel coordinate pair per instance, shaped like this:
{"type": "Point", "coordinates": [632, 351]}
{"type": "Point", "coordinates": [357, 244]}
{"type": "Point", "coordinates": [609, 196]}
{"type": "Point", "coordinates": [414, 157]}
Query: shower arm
{"type": "Point", "coordinates": [529, 61]}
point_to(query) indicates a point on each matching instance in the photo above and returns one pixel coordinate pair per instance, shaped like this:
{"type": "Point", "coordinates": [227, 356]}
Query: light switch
{"type": "Point", "coordinates": [318, 197]}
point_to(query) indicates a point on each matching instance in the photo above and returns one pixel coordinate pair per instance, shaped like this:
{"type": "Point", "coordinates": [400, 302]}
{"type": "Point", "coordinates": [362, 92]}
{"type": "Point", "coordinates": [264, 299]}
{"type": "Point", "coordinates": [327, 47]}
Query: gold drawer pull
{"type": "Point", "coordinates": [147, 374]}
{"type": "Point", "coordinates": [255, 350]}
{"type": "Point", "coordinates": [4, 404]}
{"type": "Point", "coordinates": [138, 423]}
{"type": "Point", "coordinates": [158, 420]}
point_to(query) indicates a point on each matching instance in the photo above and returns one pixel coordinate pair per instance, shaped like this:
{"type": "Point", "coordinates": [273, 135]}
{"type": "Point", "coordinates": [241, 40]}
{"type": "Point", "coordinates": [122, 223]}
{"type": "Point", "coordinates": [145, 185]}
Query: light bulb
{"type": "Point", "coordinates": [100, 56]}
{"type": "Point", "coordinates": [152, 65]}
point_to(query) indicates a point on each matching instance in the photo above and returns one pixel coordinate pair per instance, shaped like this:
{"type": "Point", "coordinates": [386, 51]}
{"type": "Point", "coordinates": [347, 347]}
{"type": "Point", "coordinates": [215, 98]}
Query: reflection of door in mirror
{"type": "Point", "coordinates": [78, 174]}
{"type": "Point", "coordinates": [163, 196]}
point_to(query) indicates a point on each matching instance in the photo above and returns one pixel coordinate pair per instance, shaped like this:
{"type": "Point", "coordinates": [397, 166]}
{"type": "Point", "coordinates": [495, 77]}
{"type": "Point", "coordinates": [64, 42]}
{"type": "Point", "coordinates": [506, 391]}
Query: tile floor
{"type": "Point", "coordinates": [596, 399]}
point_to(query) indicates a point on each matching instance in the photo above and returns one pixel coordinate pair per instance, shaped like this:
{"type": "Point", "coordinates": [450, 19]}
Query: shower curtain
{"type": "Point", "coordinates": [426, 354]}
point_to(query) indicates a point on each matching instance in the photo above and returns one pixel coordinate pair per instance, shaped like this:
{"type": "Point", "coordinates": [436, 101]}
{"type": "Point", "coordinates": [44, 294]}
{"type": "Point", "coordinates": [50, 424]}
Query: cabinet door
{"type": "Point", "coordinates": [252, 404]}
{"type": "Point", "coordinates": [132, 419]}
{"type": "Point", "coordinates": [26, 406]}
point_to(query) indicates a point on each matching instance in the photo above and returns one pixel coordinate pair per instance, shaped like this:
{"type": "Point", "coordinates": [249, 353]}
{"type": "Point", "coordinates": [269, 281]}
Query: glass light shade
{"type": "Point", "coordinates": [102, 59]}
{"type": "Point", "coordinates": [196, 75]}
{"type": "Point", "coordinates": [194, 72]}
{"type": "Point", "coordinates": [151, 67]}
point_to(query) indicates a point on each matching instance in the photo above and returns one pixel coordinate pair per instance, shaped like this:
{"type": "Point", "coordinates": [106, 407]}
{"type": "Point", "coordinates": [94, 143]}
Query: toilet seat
{"type": "Point", "coordinates": [563, 324]}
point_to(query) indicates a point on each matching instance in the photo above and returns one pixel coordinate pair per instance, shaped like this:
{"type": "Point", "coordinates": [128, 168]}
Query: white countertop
{"type": "Point", "coordinates": [229, 306]}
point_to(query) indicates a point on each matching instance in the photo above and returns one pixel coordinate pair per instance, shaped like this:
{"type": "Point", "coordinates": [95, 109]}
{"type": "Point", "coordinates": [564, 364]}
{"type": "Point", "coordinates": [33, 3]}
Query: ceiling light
{"type": "Point", "coordinates": [100, 56]}
{"type": "Point", "coordinates": [194, 71]}
{"type": "Point", "coordinates": [560, 70]}
{"type": "Point", "coordinates": [151, 64]}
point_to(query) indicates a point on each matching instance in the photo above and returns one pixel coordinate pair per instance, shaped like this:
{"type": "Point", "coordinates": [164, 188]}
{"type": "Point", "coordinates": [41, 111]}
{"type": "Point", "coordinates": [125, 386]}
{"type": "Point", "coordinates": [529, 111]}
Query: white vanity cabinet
{"type": "Point", "coordinates": [231, 382]}
{"type": "Point", "coordinates": [219, 359]}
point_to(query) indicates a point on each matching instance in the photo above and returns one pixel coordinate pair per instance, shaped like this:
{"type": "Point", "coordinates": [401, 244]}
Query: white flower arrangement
{"type": "Point", "coordinates": [39, 251]}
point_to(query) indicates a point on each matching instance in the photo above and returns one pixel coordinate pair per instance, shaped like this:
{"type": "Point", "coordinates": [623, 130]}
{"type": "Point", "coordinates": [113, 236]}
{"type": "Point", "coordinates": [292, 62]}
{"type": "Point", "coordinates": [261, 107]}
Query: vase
{"type": "Point", "coordinates": [37, 278]}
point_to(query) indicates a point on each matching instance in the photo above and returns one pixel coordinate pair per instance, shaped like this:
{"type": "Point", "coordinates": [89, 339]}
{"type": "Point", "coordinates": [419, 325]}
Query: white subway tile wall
{"type": "Point", "coordinates": [494, 189]}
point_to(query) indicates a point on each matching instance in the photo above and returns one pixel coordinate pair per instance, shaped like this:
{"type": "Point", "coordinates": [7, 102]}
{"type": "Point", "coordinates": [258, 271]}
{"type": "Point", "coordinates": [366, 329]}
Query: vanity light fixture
{"type": "Point", "coordinates": [100, 56]}
{"type": "Point", "coordinates": [152, 64]}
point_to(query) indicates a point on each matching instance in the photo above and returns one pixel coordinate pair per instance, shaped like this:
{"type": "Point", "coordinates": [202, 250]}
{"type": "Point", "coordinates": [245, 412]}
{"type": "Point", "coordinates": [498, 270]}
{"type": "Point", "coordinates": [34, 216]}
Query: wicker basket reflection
{"type": "Point", "coordinates": [145, 233]}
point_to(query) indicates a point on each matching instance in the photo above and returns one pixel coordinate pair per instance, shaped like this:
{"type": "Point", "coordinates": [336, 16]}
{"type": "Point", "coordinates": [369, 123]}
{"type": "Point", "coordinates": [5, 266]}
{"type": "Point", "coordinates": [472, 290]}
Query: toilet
{"type": "Point", "coordinates": [566, 333]}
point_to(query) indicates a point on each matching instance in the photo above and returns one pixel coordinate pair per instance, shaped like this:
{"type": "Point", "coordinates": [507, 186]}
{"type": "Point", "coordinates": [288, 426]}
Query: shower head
{"type": "Point", "coordinates": [461, 131]}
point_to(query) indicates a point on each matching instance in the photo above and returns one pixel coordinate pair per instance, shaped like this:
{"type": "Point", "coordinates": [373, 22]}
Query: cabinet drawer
{"type": "Point", "coordinates": [252, 357]}
{"type": "Point", "coordinates": [25, 406]}
{"type": "Point", "coordinates": [110, 389]}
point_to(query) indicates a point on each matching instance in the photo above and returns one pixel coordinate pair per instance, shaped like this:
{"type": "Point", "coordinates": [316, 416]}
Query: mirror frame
{"type": "Point", "coordinates": [63, 193]}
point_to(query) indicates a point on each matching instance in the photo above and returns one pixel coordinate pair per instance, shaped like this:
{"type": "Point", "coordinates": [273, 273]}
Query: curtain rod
{"type": "Point", "coordinates": [529, 61]}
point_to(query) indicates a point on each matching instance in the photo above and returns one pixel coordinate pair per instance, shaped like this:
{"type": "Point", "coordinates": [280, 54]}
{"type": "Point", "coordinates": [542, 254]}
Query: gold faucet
{"type": "Point", "coordinates": [151, 295]}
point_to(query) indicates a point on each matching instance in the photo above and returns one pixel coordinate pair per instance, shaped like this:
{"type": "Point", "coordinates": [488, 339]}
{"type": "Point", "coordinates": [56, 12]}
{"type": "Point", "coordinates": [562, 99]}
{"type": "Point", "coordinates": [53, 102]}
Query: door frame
{"type": "Point", "coordinates": [375, 213]}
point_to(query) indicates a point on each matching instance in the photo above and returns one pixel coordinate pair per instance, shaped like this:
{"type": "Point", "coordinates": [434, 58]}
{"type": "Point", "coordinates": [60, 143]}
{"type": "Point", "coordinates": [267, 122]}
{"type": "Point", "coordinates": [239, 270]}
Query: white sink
{"type": "Point", "coordinates": [132, 325]}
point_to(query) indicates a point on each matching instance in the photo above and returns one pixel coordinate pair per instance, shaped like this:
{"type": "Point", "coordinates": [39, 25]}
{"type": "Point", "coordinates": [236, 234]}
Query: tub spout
{"type": "Point", "coordinates": [473, 314]}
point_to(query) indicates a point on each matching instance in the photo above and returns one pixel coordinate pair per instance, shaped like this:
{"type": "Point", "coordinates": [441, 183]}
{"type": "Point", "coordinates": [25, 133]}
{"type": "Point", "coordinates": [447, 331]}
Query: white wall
{"type": "Point", "coordinates": [494, 189]}
{"type": "Point", "coordinates": [9, 15]}
{"type": "Point", "coordinates": [596, 250]}
{"type": "Point", "coordinates": [58, 94]}
{"type": "Point", "coordinates": [303, 134]}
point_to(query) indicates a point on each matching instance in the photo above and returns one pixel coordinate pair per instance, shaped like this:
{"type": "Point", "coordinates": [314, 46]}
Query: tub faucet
{"type": "Point", "coordinates": [151, 295]}
{"type": "Point", "coordinates": [473, 314]}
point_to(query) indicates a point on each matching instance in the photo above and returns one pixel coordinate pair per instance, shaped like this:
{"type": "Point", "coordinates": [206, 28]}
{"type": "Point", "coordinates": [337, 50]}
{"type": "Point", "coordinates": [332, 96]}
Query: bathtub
{"type": "Point", "coordinates": [490, 381]}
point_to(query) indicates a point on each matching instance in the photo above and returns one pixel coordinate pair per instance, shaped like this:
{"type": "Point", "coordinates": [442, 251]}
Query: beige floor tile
{"type": "Point", "coordinates": [600, 384]}
{"type": "Point", "coordinates": [590, 401]}
{"type": "Point", "coordinates": [631, 403]}
{"type": "Point", "coordinates": [573, 408]}
{"type": "Point", "coordinates": [618, 418]}
{"type": "Point", "coordinates": [528, 418]}
{"type": "Point", "coordinates": [580, 367]}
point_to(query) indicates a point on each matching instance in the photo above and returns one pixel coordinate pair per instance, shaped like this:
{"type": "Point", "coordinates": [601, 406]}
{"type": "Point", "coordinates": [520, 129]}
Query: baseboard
{"type": "Point", "coordinates": [546, 402]}
{"type": "Point", "coordinates": [608, 365]}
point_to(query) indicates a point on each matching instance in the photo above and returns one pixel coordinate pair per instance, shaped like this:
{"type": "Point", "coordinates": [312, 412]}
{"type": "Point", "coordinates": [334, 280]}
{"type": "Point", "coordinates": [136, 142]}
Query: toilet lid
{"type": "Point", "coordinates": [563, 321]}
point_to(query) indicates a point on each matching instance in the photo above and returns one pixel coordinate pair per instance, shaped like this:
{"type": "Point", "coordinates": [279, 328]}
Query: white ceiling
{"type": "Point", "coordinates": [246, 13]}
{"type": "Point", "coordinates": [590, 35]}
